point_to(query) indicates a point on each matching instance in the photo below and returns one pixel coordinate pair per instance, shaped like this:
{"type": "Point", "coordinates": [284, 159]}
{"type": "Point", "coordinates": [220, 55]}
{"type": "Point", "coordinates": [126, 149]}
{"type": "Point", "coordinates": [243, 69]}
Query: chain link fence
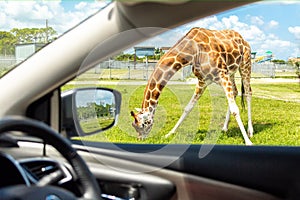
{"type": "Point", "coordinates": [133, 70]}
{"type": "Point", "coordinates": [272, 70]}
{"type": "Point", "coordinates": [7, 62]}
{"type": "Point", "coordinates": [128, 70]}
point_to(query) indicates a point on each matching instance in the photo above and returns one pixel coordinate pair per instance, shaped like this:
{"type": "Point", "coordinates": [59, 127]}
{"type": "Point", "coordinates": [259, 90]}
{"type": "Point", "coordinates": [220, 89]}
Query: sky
{"type": "Point", "coordinates": [94, 96]}
{"type": "Point", "coordinates": [267, 26]}
{"type": "Point", "coordinates": [61, 14]}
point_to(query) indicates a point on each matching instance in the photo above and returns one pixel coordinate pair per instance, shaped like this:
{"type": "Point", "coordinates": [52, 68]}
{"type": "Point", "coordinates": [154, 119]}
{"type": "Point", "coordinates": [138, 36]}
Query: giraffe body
{"type": "Point", "coordinates": [215, 56]}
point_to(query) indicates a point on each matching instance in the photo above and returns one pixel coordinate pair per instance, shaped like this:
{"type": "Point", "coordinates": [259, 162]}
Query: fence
{"type": "Point", "coordinates": [142, 71]}
{"type": "Point", "coordinates": [122, 70]}
{"type": "Point", "coordinates": [7, 61]}
{"type": "Point", "coordinates": [269, 69]}
{"type": "Point", "coordinates": [133, 70]}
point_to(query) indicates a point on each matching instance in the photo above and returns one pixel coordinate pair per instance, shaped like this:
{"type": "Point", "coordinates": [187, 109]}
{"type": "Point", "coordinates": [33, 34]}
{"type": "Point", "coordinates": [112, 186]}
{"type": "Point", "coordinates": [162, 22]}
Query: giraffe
{"type": "Point", "coordinates": [215, 56]}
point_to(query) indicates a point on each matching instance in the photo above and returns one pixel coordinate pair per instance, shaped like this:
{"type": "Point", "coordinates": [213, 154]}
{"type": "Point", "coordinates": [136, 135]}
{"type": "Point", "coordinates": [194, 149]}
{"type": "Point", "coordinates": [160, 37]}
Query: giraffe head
{"type": "Point", "coordinates": [143, 121]}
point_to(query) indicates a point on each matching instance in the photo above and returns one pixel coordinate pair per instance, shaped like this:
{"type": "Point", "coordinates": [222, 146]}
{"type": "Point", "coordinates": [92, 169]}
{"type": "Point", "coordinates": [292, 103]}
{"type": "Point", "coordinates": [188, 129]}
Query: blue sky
{"type": "Point", "coordinates": [270, 25]}
{"type": "Point", "coordinates": [279, 24]}
{"type": "Point", "coordinates": [267, 26]}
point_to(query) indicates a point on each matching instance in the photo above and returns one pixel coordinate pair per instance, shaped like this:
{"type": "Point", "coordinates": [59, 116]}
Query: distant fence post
{"type": "Point", "coordinates": [109, 66]}
{"type": "Point", "coordinates": [146, 68]}
{"type": "Point", "coordinates": [128, 70]}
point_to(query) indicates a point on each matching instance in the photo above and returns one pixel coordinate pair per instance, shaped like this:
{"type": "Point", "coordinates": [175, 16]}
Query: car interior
{"type": "Point", "coordinates": [39, 160]}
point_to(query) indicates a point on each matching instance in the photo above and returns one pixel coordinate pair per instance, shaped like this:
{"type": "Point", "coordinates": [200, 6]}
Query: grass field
{"type": "Point", "coordinates": [275, 115]}
{"type": "Point", "coordinates": [94, 124]}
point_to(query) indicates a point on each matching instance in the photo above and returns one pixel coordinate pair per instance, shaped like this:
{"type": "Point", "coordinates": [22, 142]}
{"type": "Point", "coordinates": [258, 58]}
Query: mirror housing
{"type": "Point", "coordinates": [86, 111]}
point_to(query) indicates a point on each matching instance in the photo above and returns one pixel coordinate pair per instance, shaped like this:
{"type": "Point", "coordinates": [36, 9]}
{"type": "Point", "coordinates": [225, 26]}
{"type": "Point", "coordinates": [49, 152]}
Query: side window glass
{"type": "Point", "coordinates": [185, 85]}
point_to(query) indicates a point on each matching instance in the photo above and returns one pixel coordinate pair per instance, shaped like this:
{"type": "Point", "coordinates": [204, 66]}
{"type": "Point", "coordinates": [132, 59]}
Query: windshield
{"type": "Point", "coordinates": [27, 26]}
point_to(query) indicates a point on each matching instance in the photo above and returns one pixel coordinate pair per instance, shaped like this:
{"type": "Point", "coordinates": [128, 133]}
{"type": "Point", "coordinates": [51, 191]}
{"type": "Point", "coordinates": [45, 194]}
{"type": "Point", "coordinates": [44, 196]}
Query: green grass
{"type": "Point", "coordinates": [275, 122]}
{"type": "Point", "coordinates": [94, 124]}
{"type": "Point", "coordinates": [283, 91]}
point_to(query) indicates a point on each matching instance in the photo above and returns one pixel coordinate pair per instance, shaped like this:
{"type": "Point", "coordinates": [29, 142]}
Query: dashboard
{"type": "Point", "coordinates": [39, 171]}
{"type": "Point", "coordinates": [23, 163]}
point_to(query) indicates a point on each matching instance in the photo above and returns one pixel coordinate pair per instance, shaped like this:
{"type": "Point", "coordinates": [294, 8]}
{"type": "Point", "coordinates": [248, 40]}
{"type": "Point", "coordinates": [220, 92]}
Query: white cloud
{"type": "Point", "coordinates": [42, 12]}
{"type": "Point", "coordinates": [253, 32]}
{"type": "Point", "coordinates": [273, 24]}
{"type": "Point", "coordinates": [167, 39]}
{"type": "Point", "coordinates": [257, 20]}
{"type": "Point", "coordinates": [204, 23]}
{"type": "Point", "coordinates": [290, 2]}
{"type": "Point", "coordinates": [295, 31]}
{"type": "Point", "coordinates": [275, 44]}
{"type": "Point", "coordinates": [248, 31]}
{"type": "Point", "coordinates": [21, 14]}
{"type": "Point", "coordinates": [80, 5]}
{"type": "Point", "coordinates": [230, 22]}
{"type": "Point", "coordinates": [17, 9]}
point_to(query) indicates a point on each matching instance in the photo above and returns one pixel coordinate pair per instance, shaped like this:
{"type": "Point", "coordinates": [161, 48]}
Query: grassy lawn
{"type": "Point", "coordinates": [275, 116]}
{"type": "Point", "coordinates": [91, 125]}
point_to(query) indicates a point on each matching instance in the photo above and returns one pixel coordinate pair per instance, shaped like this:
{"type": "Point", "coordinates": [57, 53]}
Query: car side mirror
{"type": "Point", "coordinates": [87, 111]}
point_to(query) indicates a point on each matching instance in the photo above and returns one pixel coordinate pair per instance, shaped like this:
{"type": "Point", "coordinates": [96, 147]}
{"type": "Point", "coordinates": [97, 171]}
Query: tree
{"type": "Point", "coordinates": [298, 69]}
{"type": "Point", "coordinates": [158, 53]}
{"type": "Point", "coordinates": [7, 42]}
{"type": "Point", "coordinates": [125, 57]}
{"type": "Point", "coordinates": [34, 35]}
{"type": "Point", "coordinates": [279, 61]}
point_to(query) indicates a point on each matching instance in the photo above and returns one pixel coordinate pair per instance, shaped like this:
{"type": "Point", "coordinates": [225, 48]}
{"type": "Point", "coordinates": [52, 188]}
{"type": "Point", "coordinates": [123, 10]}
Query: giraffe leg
{"type": "Point", "coordinates": [248, 95]}
{"type": "Point", "coordinates": [235, 111]}
{"type": "Point", "coordinates": [227, 86]}
{"type": "Point", "coordinates": [235, 93]}
{"type": "Point", "coordinates": [250, 127]}
{"type": "Point", "coordinates": [197, 94]}
{"type": "Point", "coordinates": [227, 119]}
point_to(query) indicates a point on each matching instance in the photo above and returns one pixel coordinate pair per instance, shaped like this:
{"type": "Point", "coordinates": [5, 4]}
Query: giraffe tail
{"type": "Point", "coordinates": [243, 96]}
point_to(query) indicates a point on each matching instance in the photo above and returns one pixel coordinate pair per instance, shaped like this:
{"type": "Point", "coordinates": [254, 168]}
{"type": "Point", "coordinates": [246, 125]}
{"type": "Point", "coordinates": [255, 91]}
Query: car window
{"type": "Point", "coordinates": [272, 34]}
{"type": "Point", "coordinates": [274, 40]}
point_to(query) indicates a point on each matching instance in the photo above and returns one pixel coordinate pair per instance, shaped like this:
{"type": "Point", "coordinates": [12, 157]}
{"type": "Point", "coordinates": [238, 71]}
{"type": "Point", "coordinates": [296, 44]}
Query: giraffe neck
{"type": "Point", "coordinates": [164, 71]}
{"type": "Point", "coordinates": [180, 55]}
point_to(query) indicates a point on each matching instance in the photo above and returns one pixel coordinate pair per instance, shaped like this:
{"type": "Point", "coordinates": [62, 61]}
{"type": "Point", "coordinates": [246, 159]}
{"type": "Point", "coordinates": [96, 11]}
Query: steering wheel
{"type": "Point", "coordinates": [87, 182]}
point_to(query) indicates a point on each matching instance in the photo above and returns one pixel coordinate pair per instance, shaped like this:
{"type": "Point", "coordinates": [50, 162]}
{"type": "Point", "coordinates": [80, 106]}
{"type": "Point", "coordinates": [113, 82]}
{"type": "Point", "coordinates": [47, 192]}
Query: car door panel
{"type": "Point", "coordinates": [257, 168]}
{"type": "Point", "coordinates": [160, 182]}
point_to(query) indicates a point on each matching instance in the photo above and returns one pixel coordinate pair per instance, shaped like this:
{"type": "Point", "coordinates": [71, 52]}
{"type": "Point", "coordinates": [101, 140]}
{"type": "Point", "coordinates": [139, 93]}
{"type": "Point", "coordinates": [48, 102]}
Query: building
{"type": "Point", "coordinates": [22, 51]}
